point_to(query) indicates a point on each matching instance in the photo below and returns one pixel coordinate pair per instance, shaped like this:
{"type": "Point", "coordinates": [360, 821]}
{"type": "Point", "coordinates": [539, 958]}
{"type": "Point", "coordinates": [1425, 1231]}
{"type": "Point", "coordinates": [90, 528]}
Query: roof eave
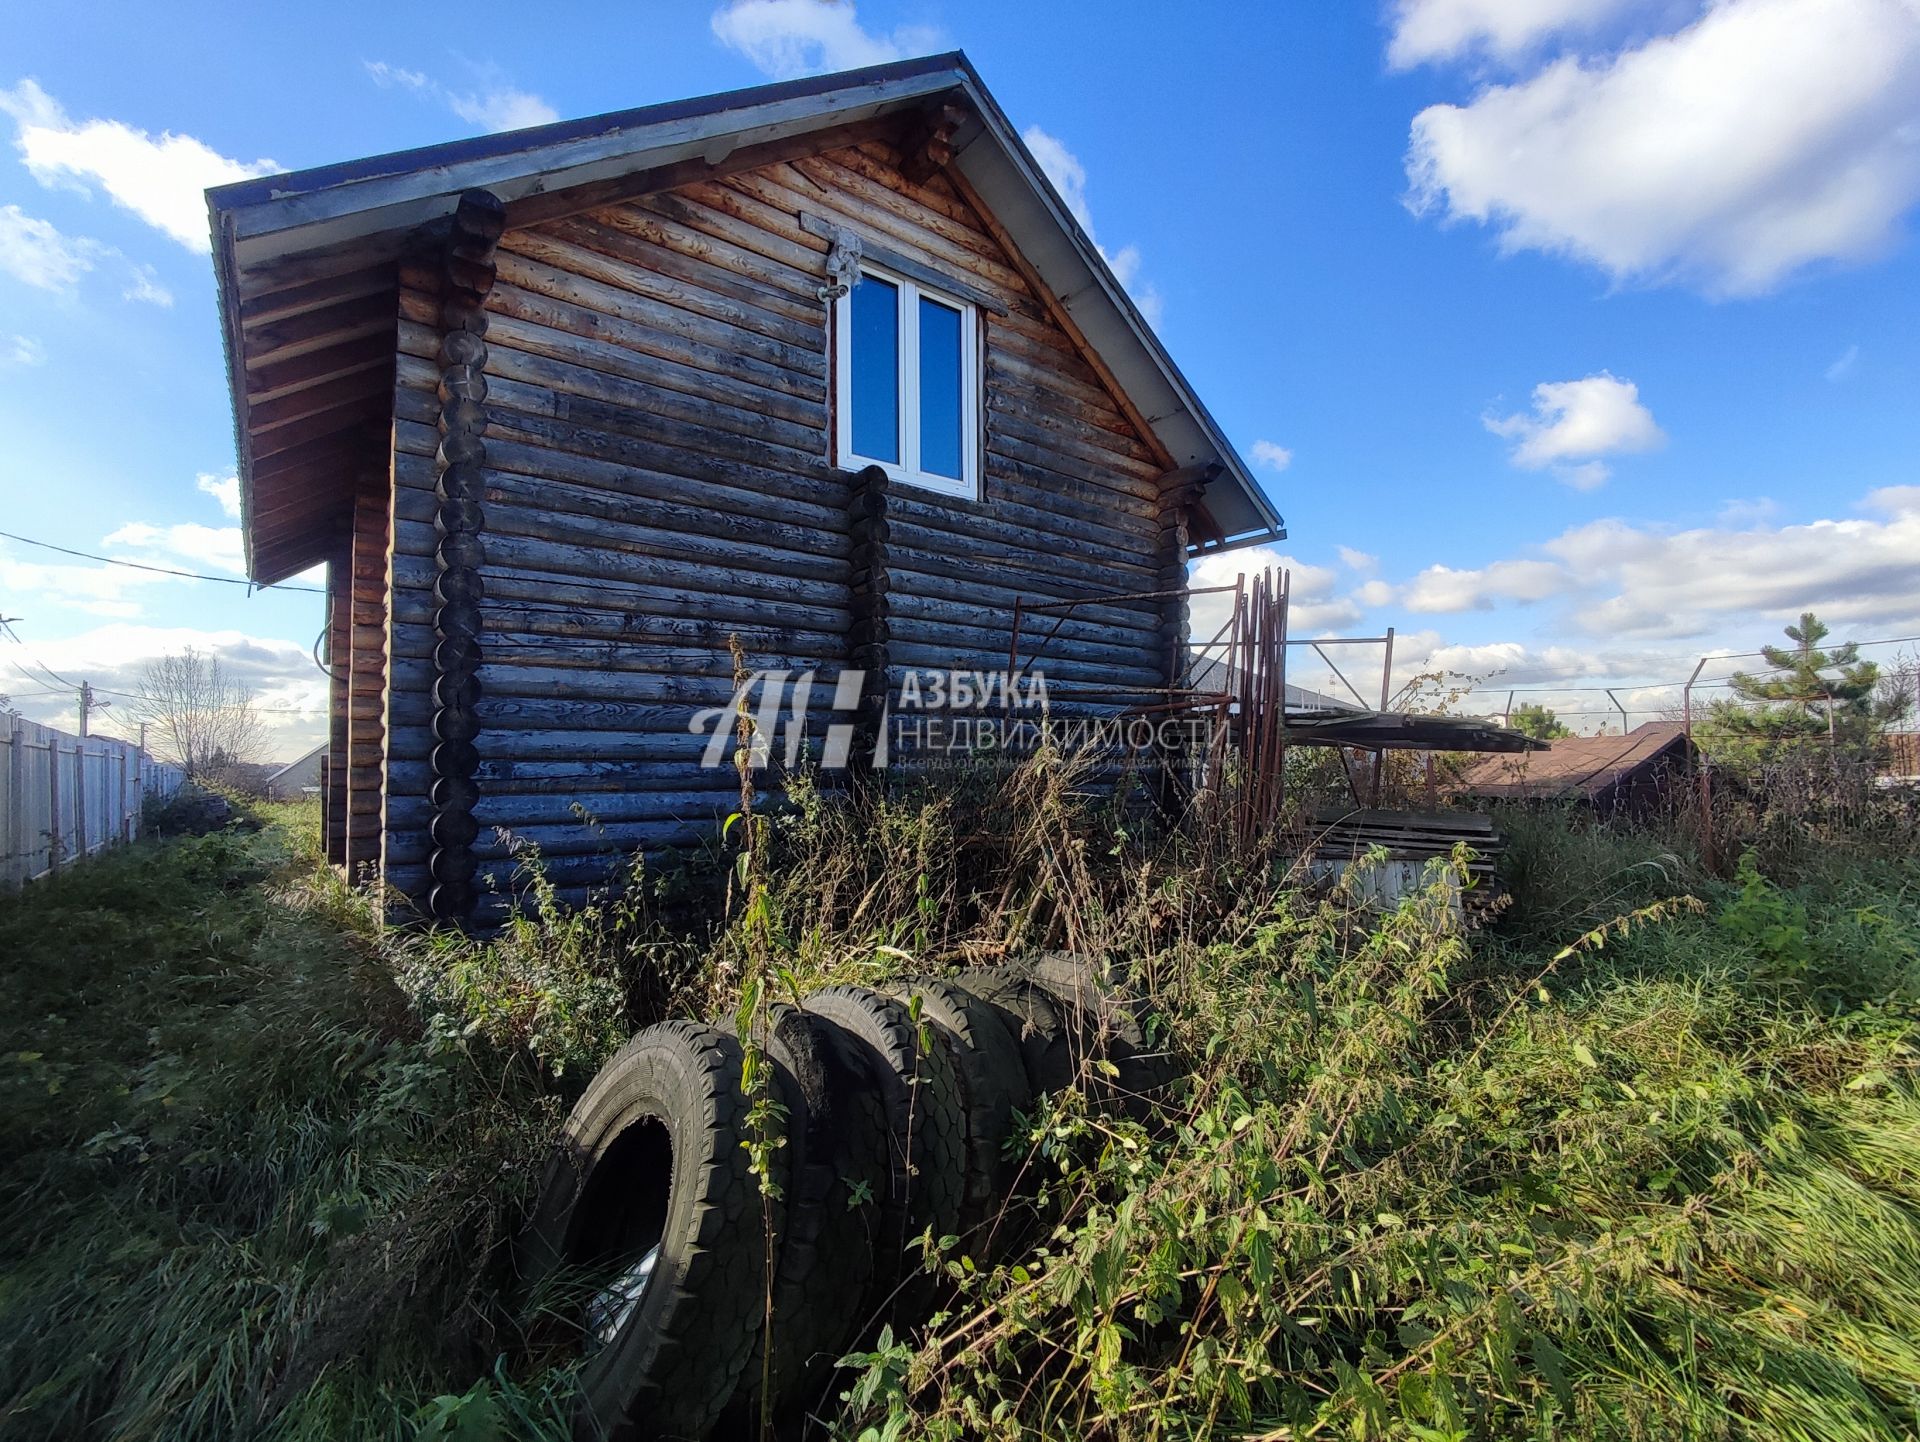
{"type": "Point", "coordinates": [258, 222]}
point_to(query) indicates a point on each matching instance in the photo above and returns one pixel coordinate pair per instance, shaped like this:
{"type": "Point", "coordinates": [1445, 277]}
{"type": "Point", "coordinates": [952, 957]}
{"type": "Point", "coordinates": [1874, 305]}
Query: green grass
{"type": "Point", "coordinates": [1641, 1162]}
{"type": "Point", "coordinates": [247, 1193]}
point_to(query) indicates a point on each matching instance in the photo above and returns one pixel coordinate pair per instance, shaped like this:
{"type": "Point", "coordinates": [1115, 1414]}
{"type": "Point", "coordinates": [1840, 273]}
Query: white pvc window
{"type": "Point", "coordinates": [907, 382]}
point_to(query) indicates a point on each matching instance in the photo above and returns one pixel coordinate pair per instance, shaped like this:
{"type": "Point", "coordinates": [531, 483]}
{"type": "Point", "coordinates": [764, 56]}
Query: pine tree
{"type": "Point", "coordinates": [1532, 719]}
{"type": "Point", "coordinates": [1815, 697]}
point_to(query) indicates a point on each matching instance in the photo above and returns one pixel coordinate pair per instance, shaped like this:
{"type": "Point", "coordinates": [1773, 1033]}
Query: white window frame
{"type": "Point", "coordinates": [907, 469]}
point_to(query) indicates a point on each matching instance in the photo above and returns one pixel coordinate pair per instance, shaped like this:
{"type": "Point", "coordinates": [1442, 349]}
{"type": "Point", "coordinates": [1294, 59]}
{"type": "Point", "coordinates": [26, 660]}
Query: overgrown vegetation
{"type": "Point", "coordinates": [247, 1191]}
{"type": "Point", "coordinates": [1642, 1161]}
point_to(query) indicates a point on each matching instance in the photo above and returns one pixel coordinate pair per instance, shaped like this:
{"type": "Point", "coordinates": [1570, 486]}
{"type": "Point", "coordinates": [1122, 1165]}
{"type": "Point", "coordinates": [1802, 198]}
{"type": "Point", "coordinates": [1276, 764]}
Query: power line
{"type": "Point", "coordinates": [1494, 686]}
{"type": "Point", "coordinates": [55, 676]}
{"type": "Point", "coordinates": [158, 570]}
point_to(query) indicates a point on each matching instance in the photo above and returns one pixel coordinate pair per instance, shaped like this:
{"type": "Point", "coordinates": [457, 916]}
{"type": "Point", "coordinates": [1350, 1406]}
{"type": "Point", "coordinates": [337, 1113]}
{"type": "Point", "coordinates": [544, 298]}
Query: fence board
{"type": "Point", "coordinates": [63, 797]}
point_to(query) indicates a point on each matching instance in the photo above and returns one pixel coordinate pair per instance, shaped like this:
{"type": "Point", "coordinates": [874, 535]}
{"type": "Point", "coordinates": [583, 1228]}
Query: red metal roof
{"type": "Point", "coordinates": [1577, 766]}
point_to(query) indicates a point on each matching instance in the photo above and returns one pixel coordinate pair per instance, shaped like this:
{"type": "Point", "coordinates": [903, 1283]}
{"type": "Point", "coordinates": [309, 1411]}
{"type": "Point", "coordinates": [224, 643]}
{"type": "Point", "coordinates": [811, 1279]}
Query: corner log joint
{"type": "Point", "coordinates": [868, 635]}
{"type": "Point", "coordinates": [467, 274]}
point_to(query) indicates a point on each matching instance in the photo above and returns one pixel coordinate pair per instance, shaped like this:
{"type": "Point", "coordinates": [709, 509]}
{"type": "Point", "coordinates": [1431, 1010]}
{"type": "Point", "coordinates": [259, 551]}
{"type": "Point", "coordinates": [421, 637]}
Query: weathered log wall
{"type": "Point", "coordinates": [339, 669]}
{"type": "Point", "coordinates": [366, 680]}
{"type": "Point", "coordinates": [657, 479]}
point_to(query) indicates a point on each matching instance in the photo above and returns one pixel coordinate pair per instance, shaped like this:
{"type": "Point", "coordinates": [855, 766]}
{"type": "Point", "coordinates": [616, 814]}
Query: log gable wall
{"type": "Point", "coordinates": [657, 480]}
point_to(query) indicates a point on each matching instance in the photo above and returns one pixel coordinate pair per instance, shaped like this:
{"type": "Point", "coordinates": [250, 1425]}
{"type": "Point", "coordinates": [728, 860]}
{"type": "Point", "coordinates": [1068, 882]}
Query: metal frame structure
{"type": "Point", "coordinates": [1250, 705]}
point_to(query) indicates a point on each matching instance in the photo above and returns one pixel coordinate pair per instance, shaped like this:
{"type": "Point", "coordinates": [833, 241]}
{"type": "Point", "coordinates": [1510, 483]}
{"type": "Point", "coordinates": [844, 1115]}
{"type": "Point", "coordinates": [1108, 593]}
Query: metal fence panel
{"type": "Point", "coordinates": [63, 797]}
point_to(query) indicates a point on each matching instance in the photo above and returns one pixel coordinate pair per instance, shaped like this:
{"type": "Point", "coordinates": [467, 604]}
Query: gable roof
{"type": "Point", "coordinates": [1584, 767]}
{"type": "Point", "coordinates": [296, 763]}
{"type": "Point", "coordinates": [304, 266]}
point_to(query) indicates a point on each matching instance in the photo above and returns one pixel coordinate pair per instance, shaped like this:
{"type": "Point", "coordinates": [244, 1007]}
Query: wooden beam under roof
{"type": "Point", "coordinates": [277, 378]}
{"type": "Point", "coordinates": [264, 416]}
{"type": "Point", "coordinates": [323, 423]}
{"type": "Point", "coordinates": [315, 295]}
{"type": "Point", "coordinates": [274, 340]}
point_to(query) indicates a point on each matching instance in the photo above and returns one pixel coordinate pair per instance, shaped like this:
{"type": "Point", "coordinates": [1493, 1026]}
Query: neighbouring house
{"type": "Point", "coordinates": [827, 365]}
{"type": "Point", "coordinates": [298, 778]}
{"type": "Point", "coordinates": [1635, 773]}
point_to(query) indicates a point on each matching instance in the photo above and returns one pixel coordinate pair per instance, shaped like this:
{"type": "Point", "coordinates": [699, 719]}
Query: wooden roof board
{"type": "Point", "coordinates": [281, 240]}
{"type": "Point", "coordinates": [1575, 766]}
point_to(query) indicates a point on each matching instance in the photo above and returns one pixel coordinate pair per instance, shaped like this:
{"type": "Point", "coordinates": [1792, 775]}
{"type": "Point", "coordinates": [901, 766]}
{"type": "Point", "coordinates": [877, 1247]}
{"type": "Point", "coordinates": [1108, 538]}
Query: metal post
{"type": "Point", "coordinates": [1386, 696]}
{"type": "Point", "coordinates": [80, 800]}
{"type": "Point", "coordinates": [53, 793]}
{"type": "Point", "coordinates": [16, 801]}
{"type": "Point", "coordinates": [86, 706]}
{"type": "Point", "coordinates": [1700, 768]}
{"type": "Point", "coordinates": [1618, 707]}
{"type": "Point", "coordinates": [1280, 662]}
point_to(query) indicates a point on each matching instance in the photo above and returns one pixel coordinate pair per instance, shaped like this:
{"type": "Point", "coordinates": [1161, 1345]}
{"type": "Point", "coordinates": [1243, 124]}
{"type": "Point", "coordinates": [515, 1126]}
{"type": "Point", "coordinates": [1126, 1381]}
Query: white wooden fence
{"type": "Point", "coordinates": [63, 797]}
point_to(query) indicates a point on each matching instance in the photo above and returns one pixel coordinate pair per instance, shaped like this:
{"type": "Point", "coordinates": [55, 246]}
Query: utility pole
{"type": "Point", "coordinates": [88, 706]}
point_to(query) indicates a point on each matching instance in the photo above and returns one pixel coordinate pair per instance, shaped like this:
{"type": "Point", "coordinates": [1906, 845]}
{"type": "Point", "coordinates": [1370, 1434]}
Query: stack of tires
{"type": "Point", "coordinates": [899, 1109]}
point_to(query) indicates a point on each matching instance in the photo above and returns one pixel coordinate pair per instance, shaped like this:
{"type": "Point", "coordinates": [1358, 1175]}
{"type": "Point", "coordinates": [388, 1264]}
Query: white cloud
{"type": "Point", "coordinates": [1064, 169]}
{"type": "Point", "coordinates": [1443, 589]}
{"type": "Point", "coordinates": [1429, 30]}
{"type": "Point", "coordinates": [385, 76]}
{"type": "Point", "coordinates": [1364, 562]}
{"type": "Point", "coordinates": [21, 350]}
{"type": "Point", "coordinates": [1375, 593]}
{"type": "Point", "coordinates": [1630, 581]}
{"type": "Point", "coordinates": [289, 690]}
{"type": "Point", "coordinates": [1273, 457]}
{"type": "Point", "coordinates": [36, 252]}
{"type": "Point", "coordinates": [1843, 365]}
{"type": "Point", "coordinates": [1645, 581]}
{"type": "Point", "coordinates": [494, 106]}
{"type": "Point", "coordinates": [160, 179]}
{"type": "Point", "coordinates": [1574, 423]}
{"type": "Point", "coordinates": [1747, 511]}
{"type": "Point", "coordinates": [505, 109]}
{"type": "Point", "coordinates": [217, 546]}
{"type": "Point", "coordinates": [224, 489]}
{"type": "Point", "coordinates": [785, 38]}
{"type": "Point", "coordinates": [1762, 137]}
{"type": "Point", "coordinates": [144, 285]}
{"type": "Point", "coordinates": [93, 589]}
{"type": "Point", "coordinates": [1314, 606]}
{"type": "Point", "coordinates": [1069, 178]}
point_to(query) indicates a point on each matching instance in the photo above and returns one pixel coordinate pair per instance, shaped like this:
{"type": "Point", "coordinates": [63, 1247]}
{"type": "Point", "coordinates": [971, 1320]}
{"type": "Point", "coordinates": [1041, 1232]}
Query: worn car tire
{"type": "Point", "coordinates": [1031, 1015]}
{"type": "Point", "coordinates": [652, 1156]}
{"type": "Point", "coordinates": [926, 1121]}
{"type": "Point", "coordinates": [1108, 1028]}
{"type": "Point", "coordinates": [837, 1140]}
{"type": "Point", "coordinates": [993, 1086]}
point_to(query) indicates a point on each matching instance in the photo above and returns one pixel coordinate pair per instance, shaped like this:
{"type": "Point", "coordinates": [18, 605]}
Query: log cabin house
{"type": "Point", "coordinates": [826, 364]}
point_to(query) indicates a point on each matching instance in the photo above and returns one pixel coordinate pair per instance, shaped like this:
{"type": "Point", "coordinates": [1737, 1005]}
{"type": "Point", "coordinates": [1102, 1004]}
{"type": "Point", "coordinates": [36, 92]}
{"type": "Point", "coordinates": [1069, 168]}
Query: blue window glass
{"type": "Point", "coordinates": [940, 408]}
{"type": "Point", "coordinates": [876, 370]}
